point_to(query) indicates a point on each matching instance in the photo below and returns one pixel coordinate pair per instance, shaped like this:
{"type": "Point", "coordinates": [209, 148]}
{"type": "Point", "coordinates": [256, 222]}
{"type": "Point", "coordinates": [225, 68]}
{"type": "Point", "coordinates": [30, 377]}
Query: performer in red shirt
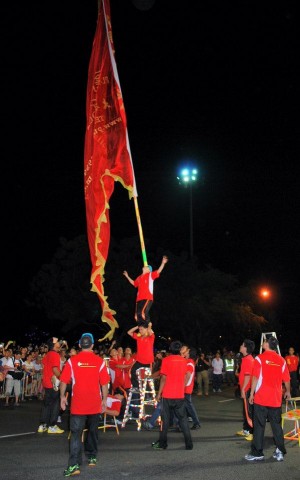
{"type": "Point", "coordinates": [89, 376]}
{"type": "Point", "coordinates": [144, 356]}
{"type": "Point", "coordinates": [269, 371]}
{"type": "Point", "coordinates": [50, 381]}
{"type": "Point", "coordinates": [144, 284]}
{"type": "Point", "coordinates": [245, 377]}
{"type": "Point", "coordinates": [292, 363]}
{"type": "Point", "coordinates": [173, 378]}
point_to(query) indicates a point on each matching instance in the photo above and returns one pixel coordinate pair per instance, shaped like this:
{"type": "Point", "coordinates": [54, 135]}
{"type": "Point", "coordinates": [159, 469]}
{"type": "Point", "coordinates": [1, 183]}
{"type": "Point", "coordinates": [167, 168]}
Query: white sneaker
{"type": "Point", "coordinates": [55, 429]}
{"type": "Point", "coordinates": [253, 458]}
{"type": "Point", "coordinates": [42, 428]}
{"type": "Point", "coordinates": [278, 455]}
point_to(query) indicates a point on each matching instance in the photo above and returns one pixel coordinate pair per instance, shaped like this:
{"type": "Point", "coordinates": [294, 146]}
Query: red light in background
{"type": "Point", "coordinates": [265, 293]}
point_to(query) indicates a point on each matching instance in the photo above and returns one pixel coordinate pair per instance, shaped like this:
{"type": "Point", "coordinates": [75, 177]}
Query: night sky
{"type": "Point", "coordinates": [209, 82]}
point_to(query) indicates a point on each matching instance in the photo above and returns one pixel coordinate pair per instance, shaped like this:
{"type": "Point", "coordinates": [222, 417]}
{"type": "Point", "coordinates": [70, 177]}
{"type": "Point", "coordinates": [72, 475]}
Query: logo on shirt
{"type": "Point", "coordinates": [272, 364]}
{"type": "Point", "coordinates": [85, 365]}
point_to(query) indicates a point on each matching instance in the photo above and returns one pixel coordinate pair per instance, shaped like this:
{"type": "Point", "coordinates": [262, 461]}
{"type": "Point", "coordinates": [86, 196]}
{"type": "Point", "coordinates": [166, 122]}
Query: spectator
{"type": "Point", "coordinates": [14, 368]}
{"type": "Point", "coordinates": [217, 375]}
{"type": "Point", "coordinates": [202, 366]}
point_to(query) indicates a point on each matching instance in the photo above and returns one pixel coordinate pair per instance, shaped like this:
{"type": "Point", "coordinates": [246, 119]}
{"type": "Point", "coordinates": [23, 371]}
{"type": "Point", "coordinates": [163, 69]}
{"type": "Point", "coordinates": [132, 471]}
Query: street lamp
{"type": "Point", "coordinates": [188, 177]}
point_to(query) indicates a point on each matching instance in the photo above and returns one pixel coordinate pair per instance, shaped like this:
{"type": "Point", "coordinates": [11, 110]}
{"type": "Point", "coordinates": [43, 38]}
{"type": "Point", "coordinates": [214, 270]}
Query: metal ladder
{"type": "Point", "coordinates": [264, 337]}
{"type": "Point", "coordinates": [139, 397]}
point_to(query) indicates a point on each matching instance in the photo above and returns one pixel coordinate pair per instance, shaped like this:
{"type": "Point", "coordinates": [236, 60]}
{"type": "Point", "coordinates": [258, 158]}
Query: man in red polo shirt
{"type": "Point", "coordinates": [269, 371]}
{"type": "Point", "coordinates": [245, 377]}
{"type": "Point", "coordinates": [89, 375]}
{"type": "Point", "coordinates": [50, 381]}
{"type": "Point", "coordinates": [292, 363]}
{"type": "Point", "coordinates": [173, 378]}
{"type": "Point", "coordinates": [144, 284]}
{"type": "Point", "coordinates": [144, 356]}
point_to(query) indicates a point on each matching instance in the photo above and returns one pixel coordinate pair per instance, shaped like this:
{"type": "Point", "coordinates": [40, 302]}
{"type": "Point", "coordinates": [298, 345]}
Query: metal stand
{"type": "Point", "coordinates": [139, 397]}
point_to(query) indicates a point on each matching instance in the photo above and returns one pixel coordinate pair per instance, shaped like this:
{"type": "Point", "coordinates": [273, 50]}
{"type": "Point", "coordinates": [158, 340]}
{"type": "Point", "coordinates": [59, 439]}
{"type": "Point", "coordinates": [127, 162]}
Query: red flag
{"type": "Point", "coordinates": [107, 156]}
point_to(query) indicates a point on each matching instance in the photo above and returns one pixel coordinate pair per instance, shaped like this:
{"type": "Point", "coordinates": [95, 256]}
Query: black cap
{"type": "Point", "coordinates": [86, 340]}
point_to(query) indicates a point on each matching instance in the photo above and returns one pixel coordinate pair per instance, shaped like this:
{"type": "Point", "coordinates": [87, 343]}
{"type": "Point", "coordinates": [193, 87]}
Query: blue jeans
{"type": "Point", "coordinates": [77, 424]}
{"type": "Point", "coordinates": [191, 411]}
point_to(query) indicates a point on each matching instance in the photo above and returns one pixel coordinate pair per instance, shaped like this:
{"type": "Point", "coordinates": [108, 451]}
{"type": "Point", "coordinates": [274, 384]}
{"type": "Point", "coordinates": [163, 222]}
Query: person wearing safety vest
{"type": "Point", "coordinates": [229, 366]}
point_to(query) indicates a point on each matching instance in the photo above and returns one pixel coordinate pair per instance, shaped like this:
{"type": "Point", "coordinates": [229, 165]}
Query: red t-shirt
{"type": "Point", "coordinates": [292, 362]}
{"type": "Point", "coordinates": [87, 372]}
{"type": "Point", "coordinates": [271, 370]}
{"type": "Point", "coordinates": [50, 360]}
{"type": "Point", "coordinates": [144, 348]}
{"type": "Point", "coordinates": [190, 368]}
{"type": "Point", "coordinates": [175, 368]}
{"type": "Point", "coordinates": [113, 403]}
{"type": "Point", "coordinates": [246, 369]}
{"type": "Point", "coordinates": [144, 284]}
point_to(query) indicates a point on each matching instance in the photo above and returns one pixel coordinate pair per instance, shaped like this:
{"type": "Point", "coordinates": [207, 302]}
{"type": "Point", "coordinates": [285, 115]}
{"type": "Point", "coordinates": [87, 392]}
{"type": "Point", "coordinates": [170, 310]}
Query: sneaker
{"type": "Point", "coordinates": [219, 390]}
{"type": "Point", "coordinates": [42, 428]}
{"type": "Point", "coordinates": [249, 437]}
{"type": "Point", "coordinates": [147, 425]}
{"type": "Point", "coordinates": [59, 419]}
{"type": "Point", "coordinates": [119, 422]}
{"type": "Point", "coordinates": [243, 433]}
{"type": "Point", "coordinates": [55, 429]}
{"type": "Point", "coordinates": [74, 470]}
{"type": "Point", "coordinates": [92, 461]}
{"type": "Point", "coordinates": [278, 455]}
{"type": "Point", "coordinates": [189, 447]}
{"type": "Point", "coordinates": [157, 446]}
{"type": "Point", "coordinates": [196, 426]}
{"type": "Point", "coordinates": [253, 458]}
{"type": "Point", "coordinates": [190, 419]}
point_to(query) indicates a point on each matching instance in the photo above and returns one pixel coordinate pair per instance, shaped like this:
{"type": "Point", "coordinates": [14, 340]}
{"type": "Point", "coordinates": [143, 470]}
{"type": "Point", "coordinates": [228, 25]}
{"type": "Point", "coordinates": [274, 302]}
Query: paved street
{"type": "Point", "coordinates": [218, 453]}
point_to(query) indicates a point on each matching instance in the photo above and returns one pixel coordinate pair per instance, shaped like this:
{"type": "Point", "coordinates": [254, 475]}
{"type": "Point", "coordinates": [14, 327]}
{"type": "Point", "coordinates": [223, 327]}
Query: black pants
{"type": "Point", "coordinates": [50, 408]}
{"type": "Point", "coordinates": [260, 416]}
{"type": "Point", "coordinates": [246, 425]}
{"type": "Point", "coordinates": [134, 368]}
{"type": "Point", "coordinates": [294, 384]}
{"type": "Point", "coordinates": [177, 407]}
{"type": "Point", "coordinates": [142, 310]}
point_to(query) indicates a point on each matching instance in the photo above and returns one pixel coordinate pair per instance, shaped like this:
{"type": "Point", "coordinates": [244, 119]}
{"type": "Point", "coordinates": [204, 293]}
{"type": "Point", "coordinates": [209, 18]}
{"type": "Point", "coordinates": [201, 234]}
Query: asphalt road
{"type": "Point", "coordinates": [218, 453]}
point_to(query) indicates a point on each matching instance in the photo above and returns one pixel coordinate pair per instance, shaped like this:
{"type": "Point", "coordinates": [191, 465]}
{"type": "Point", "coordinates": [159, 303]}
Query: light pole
{"type": "Point", "coordinates": [188, 177]}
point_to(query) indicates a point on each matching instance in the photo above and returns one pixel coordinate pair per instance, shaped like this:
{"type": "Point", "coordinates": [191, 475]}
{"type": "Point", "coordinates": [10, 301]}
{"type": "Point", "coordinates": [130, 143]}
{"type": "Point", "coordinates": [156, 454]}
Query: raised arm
{"type": "Point", "coordinates": [125, 273]}
{"type": "Point", "coordinates": [132, 330]}
{"type": "Point", "coordinates": [163, 262]}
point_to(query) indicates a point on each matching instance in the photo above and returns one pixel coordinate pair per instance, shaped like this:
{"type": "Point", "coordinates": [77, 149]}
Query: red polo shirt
{"type": "Point", "coordinates": [144, 349]}
{"type": "Point", "coordinates": [87, 372]}
{"type": "Point", "coordinates": [175, 368]}
{"type": "Point", "coordinates": [271, 370]}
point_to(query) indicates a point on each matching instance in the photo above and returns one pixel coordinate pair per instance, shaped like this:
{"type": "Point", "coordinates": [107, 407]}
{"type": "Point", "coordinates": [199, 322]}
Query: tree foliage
{"type": "Point", "coordinates": [202, 307]}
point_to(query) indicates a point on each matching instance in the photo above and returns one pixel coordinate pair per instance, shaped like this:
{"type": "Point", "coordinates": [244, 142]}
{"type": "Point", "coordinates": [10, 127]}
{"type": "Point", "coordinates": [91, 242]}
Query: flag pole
{"type": "Point", "coordinates": [138, 218]}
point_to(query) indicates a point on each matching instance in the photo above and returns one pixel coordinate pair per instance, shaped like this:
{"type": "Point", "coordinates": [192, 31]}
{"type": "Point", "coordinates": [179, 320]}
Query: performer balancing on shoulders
{"type": "Point", "coordinates": [144, 285]}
